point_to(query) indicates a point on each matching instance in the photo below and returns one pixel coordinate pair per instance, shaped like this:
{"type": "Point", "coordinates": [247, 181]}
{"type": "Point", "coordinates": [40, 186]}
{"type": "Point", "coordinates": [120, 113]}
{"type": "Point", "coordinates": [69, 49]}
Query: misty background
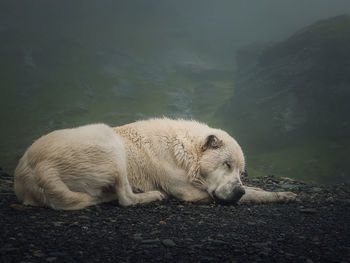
{"type": "Point", "coordinates": [274, 74]}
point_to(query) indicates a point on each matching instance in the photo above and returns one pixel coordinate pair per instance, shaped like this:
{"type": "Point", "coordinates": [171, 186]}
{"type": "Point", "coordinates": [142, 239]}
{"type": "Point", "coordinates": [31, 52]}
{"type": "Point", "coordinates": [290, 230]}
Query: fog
{"type": "Point", "coordinates": [215, 26]}
{"type": "Point", "coordinates": [67, 63]}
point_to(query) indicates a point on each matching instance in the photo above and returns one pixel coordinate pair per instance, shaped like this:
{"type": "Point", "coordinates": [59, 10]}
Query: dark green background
{"type": "Point", "coordinates": [68, 63]}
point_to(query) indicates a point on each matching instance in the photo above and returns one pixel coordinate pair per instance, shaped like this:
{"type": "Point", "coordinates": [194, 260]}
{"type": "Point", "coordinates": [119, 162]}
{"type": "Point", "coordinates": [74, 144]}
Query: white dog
{"type": "Point", "coordinates": [135, 163]}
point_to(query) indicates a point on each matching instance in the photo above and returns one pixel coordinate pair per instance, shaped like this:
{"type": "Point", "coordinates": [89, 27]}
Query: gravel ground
{"type": "Point", "coordinates": [313, 229]}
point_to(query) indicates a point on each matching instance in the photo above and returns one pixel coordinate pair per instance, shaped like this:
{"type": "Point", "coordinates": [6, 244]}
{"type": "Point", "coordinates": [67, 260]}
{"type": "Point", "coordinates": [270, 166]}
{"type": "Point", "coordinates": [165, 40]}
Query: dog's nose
{"type": "Point", "coordinates": [238, 192]}
{"type": "Point", "coordinates": [233, 197]}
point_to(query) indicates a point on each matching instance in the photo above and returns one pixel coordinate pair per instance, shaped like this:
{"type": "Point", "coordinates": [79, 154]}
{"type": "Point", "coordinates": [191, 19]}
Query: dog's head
{"type": "Point", "coordinates": [221, 165]}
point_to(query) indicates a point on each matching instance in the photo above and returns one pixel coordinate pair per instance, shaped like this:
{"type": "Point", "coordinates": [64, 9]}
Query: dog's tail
{"type": "Point", "coordinates": [42, 185]}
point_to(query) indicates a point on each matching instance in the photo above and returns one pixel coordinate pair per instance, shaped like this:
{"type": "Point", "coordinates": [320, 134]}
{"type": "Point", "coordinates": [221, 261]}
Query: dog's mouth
{"type": "Point", "coordinates": [223, 201]}
{"type": "Point", "coordinates": [233, 200]}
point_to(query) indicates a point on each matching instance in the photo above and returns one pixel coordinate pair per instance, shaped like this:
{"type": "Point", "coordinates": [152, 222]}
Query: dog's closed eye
{"type": "Point", "coordinates": [228, 165]}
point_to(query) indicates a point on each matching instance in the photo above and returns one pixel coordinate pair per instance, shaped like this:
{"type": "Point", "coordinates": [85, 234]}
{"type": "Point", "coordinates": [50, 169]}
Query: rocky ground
{"type": "Point", "coordinates": [313, 229]}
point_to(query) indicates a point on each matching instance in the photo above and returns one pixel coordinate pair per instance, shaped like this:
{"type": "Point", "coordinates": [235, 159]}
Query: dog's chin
{"type": "Point", "coordinates": [225, 201]}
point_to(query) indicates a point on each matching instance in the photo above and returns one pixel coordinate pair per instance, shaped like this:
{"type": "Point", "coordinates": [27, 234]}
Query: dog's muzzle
{"type": "Point", "coordinates": [232, 198]}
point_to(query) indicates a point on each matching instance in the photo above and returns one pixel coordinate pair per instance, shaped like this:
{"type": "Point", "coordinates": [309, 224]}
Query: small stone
{"type": "Point", "coordinates": [316, 189]}
{"type": "Point", "coordinates": [18, 207]}
{"type": "Point", "coordinates": [38, 253]}
{"type": "Point", "coordinates": [57, 223]}
{"type": "Point", "coordinates": [260, 245]}
{"type": "Point", "coordinates": [57, 254]}
{"type": "Point", "coordinates": [346, 202]}
{"type": "Point", "coordinates": [288, 186]}
{"type": "Point", "coordinates": [51, 259]}
{"type": "Point", "coordinates": [218, 242]}
{"type": "Point", "coordinates": [148, 246]}
{"type": "Point", "coordinates": [316, 240]}
{"type": "Point", "coordinates": [162, 222]}
{"type": "Point", "coordinates": [13, 249]}
{"type": "Point", "coordinates": [308, 210]}
{"type": "Point", "coordinates": [263, 254]}
{"type": "Point", "coordinates": [206, 259]}
{"type": "Point", "coordinates": [150, 241]}
{"type": "Point", "coordinates": [138, 237]}
{"type": "Point", "coordinates": [168, 243]}
{"type": "Point", "coordinates": [330, 199]}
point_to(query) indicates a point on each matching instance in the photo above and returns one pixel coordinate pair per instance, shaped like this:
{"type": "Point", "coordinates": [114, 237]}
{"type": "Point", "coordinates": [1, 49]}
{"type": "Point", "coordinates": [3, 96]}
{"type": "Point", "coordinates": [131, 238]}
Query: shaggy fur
{"type": "Point", "coordinates": [135, 163]}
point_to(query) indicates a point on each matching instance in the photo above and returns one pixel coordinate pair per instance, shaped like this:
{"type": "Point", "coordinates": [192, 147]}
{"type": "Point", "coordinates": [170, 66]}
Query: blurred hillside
{"type": "Point", "coordinates": [291, 101]}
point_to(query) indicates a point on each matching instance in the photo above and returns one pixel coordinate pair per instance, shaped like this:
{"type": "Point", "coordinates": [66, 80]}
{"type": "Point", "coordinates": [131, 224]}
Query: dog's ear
{"type": "Point", "coordinates": [211, 142]}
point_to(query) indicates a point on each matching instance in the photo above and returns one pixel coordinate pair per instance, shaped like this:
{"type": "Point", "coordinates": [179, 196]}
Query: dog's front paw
{"type": "Point", "coordinates": [147, 197]}
{"type": "Point", "coordinates": [286, 196]}
{"type": "Point", "coordinates": [156, 195]}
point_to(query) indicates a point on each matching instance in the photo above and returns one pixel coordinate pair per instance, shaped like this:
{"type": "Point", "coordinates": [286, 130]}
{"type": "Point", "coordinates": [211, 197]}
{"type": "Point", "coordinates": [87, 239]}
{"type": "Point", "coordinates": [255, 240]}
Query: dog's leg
{"type": "Point", "coordinates": [257, 195]}
{"type": "Point", "coordinates": [190, 193]}
{"type": "Point", "coordinates": [127, 197]}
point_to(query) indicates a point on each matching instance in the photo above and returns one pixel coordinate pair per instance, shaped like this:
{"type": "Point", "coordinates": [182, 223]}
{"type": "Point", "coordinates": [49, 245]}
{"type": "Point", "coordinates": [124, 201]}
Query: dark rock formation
{"type": "Point", "coordinates": [297, 87]}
